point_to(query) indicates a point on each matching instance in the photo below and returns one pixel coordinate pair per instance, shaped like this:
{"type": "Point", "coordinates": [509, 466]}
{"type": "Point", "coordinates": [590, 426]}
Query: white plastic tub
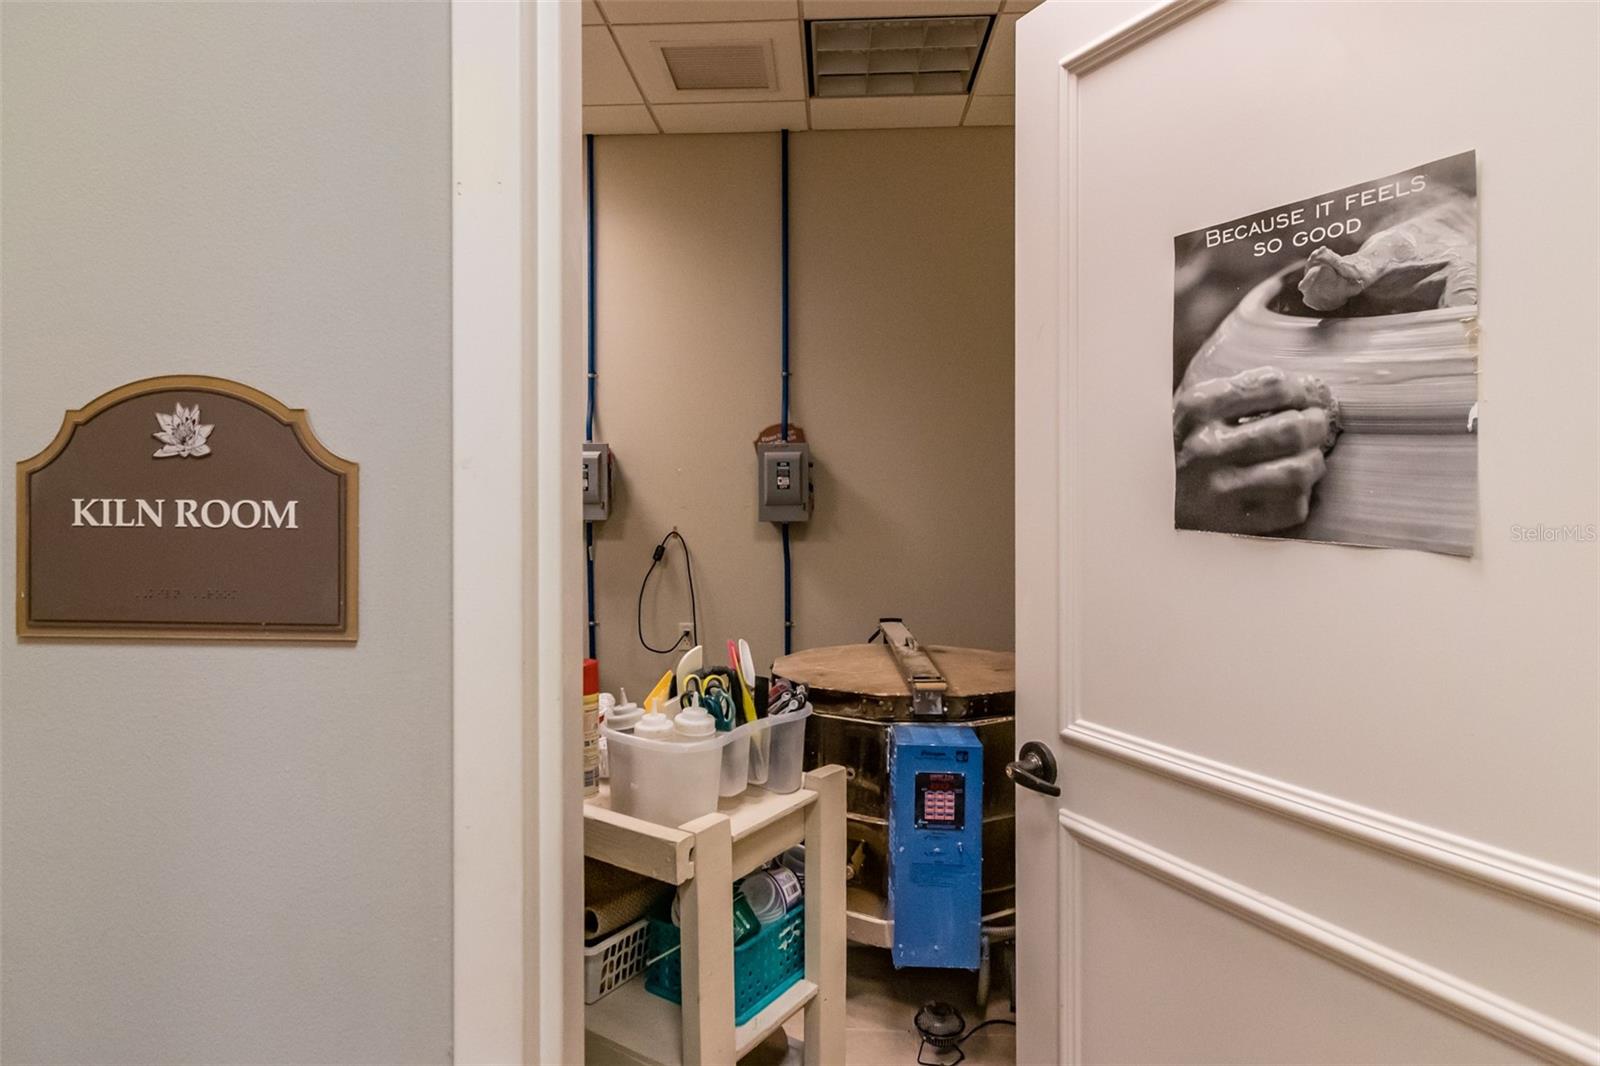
{"type": "Point", "coordinates": [767, 752]}
{"type": "Point", "coordinates": [668, 782]}
{"type": "Point", "coordinates": [778, 750]}
{"type": "Point", "coordinates": [735, 760]}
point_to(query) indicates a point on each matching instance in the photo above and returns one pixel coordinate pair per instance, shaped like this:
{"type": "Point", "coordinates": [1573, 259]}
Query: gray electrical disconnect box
{"type": "Point", "coordinates": [596, 481]}
{"type": "Point", "coordinates": [783, 482]}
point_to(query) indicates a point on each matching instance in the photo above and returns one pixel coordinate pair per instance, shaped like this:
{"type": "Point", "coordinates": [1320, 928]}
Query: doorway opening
{"type": "Point", "coordinates": [798, 424]}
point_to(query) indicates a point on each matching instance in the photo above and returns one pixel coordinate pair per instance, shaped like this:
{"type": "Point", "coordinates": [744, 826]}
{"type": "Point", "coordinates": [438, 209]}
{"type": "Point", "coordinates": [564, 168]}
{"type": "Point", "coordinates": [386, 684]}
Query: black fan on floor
{"type": "Point", "coordinates": [943, 1028]}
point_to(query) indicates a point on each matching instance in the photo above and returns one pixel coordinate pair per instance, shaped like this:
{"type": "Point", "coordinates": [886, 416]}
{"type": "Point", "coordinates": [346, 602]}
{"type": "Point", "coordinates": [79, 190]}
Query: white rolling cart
{"type": "Point", "coordinates": [703, 858]}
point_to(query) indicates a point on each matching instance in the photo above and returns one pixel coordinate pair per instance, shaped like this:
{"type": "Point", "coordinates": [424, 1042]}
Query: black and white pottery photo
{"type": "Point", "coordinates": [1325, 366]}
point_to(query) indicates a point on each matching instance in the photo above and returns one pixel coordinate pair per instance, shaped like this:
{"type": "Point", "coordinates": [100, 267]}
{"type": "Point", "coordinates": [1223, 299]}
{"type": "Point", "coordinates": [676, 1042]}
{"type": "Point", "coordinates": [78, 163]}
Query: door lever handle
{"type": "Point", "coordinates": [1035, 768]}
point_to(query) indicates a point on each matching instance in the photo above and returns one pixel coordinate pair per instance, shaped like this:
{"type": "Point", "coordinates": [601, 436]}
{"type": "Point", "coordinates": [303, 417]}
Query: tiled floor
{"type": "Point", "coordinates": [879, 1008]}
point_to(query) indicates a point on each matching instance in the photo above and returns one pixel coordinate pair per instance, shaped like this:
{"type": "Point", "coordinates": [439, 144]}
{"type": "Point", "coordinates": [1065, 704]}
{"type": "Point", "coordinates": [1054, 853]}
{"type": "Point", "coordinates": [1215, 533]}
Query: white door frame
{"type": "Point", "coordinates": [517, 412]}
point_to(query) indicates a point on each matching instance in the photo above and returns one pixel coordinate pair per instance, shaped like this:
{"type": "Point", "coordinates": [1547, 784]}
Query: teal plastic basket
{"type": "Point", "coordinates": [763, 967]}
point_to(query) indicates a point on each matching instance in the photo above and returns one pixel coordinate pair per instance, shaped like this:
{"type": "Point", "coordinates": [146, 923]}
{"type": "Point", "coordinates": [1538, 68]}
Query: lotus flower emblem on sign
{"type": "Point", "coordinates": [181, 433]}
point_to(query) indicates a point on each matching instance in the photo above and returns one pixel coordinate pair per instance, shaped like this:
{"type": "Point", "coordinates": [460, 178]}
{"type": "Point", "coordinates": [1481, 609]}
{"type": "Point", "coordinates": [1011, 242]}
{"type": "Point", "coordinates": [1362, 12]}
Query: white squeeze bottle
{"type": "Point", "coordinates": [624, 716]}
{"type": "Point", "coordinates": [621, 717]}
{"type": "Point", "coordinates": [654, 725]}
{"type": "Point", "coordinates": [695, 723]}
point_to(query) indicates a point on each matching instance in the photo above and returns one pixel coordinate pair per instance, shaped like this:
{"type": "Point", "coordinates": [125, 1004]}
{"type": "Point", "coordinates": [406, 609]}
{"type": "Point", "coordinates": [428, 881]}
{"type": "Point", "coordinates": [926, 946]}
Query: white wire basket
{"type": "Point", "coordinates": [614, 961]}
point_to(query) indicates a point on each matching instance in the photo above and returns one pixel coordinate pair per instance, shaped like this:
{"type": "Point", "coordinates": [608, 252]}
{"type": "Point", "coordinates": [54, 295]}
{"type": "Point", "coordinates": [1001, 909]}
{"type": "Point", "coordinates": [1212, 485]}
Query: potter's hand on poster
{"type": "Point", "coordinates": [1250, 449]}
{"type": "Point", "coordinates": [1429, 260]}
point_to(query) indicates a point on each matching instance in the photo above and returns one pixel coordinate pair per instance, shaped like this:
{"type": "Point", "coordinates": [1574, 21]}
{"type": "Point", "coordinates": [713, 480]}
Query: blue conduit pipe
{"type": "Point", "coordinates": [588, 147]}
{"type": "Point", "coordinates": [588, 418]}
{"type": "Point", "coordinates": [783, 422]}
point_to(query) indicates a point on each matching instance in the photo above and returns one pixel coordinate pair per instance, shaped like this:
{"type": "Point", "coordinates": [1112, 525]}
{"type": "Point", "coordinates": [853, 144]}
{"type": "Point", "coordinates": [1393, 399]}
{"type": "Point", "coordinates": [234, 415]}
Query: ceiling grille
{"type": "Point", "coordinates": [719, 66]}
{"type": "Point", "coordinates": [896, 57]}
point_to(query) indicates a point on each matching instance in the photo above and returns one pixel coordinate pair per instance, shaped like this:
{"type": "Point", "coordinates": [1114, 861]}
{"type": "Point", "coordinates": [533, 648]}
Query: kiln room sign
{"type": "Point", "coordinates": [186, 507]}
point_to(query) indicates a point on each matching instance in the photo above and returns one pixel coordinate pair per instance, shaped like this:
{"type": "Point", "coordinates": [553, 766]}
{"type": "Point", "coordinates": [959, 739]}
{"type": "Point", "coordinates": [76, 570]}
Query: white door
{"type": "Point", "coordinates": [1319, 803]}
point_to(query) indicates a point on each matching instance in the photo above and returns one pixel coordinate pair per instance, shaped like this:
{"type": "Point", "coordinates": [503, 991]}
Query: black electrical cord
{"type": "Point", "coordinates": [693, 636]}
{"type": "Point", "coordinates": [991, 1021]}
{"type": "Point", "coordinates": [788, 594]}
{"type": "Point", "coordinates": [588, 562]}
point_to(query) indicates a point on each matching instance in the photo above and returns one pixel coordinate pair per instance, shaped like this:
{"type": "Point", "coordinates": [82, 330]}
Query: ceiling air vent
{"type": "Point", "coordinates": [896, 57]}
{"type": "Point", "coordinates": [746, 65]}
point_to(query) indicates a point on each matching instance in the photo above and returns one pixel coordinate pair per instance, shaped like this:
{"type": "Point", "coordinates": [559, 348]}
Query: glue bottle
{"type": "Point", "coordinates": [625, 715]}
{"type": "Point", "coordinates": [620, 717]}
{"type": "Point", "coordinates": [653, 725]}
{"type": "Point", "coordinates": [695, 722]}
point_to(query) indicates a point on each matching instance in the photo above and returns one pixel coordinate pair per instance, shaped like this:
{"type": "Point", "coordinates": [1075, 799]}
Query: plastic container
{"type": "Point", "coordinates": [772, 893]}
{"type": "Point", "coordinates": [778, 750]}
{"type": "Point", "coordinates": [612, 962]}
{"type": "Point", "coordinates": [735, 761]}
{"type": "Point", "coordinates": [745, 922]}
{"type": "Point", "coordinates": [794, 860]}
{"type": "Point", "coordinates": [763, 967]}
{"type": "Point", "coordinates": [669, 781]}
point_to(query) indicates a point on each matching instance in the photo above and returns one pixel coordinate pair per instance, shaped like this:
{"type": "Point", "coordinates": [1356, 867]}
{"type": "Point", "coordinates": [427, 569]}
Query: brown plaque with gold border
{"type": "Point", "coordinates": [187, 507]}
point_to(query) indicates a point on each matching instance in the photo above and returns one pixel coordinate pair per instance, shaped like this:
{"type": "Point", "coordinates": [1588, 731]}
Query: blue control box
{"type": "Point", "coordinates": [935, 845]}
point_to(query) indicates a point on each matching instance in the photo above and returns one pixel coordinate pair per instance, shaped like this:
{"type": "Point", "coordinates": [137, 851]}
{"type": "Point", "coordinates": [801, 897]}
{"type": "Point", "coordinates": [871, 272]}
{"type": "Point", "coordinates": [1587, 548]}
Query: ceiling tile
{"type": "Point", "coordinates": [626, 118]}
{"type": "Point", "coordinates": [1022, 6]}
{"type": "Point", "coordinates": [997, 75]}
{"type": "Point", "coordinates": [641, 45]}
{"type": "Point", "coordinates": [990, 111]}
{"type": "Point", "coordinates": [873, 9]}
{"type": "Point", "coordinates": [605, 76]}
{"type": "Point", "coordinates": [865, 113]}
{"type": "Point", "coordinates": [732, 118]}
{"type": "Point", "coordinates": [591, 14]}
{"type": "Point", "coordinates": [632, 12]}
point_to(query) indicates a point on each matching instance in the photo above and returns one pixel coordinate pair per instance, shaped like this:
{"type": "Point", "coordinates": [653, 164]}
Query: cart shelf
{"type": "Point", "coordinates": [703, 858]}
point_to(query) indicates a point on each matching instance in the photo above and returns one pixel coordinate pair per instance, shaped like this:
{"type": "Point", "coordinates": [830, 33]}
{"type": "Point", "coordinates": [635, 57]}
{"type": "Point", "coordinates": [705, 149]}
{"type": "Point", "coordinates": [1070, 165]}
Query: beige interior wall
{"type": "Point", "coordinates": [216, 852]}
{"type": "Point", "coordinates": [901, 330]}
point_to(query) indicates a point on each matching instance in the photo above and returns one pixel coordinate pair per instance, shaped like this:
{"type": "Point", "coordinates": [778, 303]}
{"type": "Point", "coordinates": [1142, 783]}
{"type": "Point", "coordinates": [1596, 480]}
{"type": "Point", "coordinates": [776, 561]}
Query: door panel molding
{"type": "Point", "coordinates": [1506, 871]}
{"type": "Point", "coordinates": [1131, 34]}
{"type": "Point", "coordinates": [1504, 1019]}
{"type": "Point", "coordinates": [1069, 450]}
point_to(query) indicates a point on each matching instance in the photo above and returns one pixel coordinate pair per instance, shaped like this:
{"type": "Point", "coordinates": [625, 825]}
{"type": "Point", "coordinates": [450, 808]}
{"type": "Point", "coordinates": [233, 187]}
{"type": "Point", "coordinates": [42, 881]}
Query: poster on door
{"type": "Point", "coordinates": [1324, 366]}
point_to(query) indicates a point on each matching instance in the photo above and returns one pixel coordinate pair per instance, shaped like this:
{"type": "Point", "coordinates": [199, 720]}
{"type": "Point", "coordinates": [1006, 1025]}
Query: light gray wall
{"type": "Point", "coordinates": [220, 853]}
{"type": "Point", "coordinates": [901, 321]}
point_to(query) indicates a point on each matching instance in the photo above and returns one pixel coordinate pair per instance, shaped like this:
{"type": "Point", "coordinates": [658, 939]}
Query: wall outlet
{"type": "Point", "coordinates": [686, 629]}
